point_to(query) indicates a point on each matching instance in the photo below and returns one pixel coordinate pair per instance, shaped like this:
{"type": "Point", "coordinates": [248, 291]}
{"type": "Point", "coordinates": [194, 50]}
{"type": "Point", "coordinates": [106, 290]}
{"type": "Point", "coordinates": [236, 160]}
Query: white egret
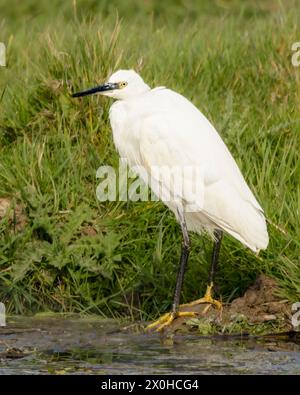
{"type": "Point", "coordinates": [159, 127]}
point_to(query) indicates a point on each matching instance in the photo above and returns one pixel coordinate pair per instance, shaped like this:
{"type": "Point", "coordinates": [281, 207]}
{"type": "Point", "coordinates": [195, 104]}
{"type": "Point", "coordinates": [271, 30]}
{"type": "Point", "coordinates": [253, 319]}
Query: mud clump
{"type": "Point", "coordinates": [14, 212]}
{"type": "Point", "coordinates": [261, 302]}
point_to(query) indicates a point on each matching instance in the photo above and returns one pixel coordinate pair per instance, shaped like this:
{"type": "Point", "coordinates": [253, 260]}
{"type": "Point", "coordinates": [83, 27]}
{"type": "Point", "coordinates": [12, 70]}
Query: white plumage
{"type": "Point", "coordinates": [176, 150]}
{"type": "Point", "coordinates": [159, 127]}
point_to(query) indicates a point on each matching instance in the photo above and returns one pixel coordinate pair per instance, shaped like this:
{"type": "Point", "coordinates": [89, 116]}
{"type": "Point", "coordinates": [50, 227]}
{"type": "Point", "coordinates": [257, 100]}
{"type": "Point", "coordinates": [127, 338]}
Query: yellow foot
{"type": "Point", "coordinates": [167, 319]}
{"type": "Point", "coordinates": [208, 299]}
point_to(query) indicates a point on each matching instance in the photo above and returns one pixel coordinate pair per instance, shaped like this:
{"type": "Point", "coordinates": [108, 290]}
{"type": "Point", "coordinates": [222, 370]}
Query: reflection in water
{"type": "Point", "coordinates": [93, 346]}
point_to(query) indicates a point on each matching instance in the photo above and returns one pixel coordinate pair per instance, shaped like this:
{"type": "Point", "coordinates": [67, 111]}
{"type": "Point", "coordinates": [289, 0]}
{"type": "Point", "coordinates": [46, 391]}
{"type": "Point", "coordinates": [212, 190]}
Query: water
{"type": "Point", "coordinates": [59, 345]}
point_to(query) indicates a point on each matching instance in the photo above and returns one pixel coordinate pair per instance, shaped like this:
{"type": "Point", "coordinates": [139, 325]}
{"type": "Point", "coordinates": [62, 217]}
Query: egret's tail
{"type": "Point", "coordinates": [252, 231]}
{"type": "Point", "coordinates": [238, 217]}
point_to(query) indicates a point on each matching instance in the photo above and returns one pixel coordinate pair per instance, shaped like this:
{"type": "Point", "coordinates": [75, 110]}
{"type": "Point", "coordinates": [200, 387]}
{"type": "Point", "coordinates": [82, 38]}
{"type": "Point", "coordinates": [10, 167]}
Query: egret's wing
{"type": "Point", "coordinates": [182, 127]}
{"type": "Point", "coordinates": [173, 175]}
{"type": "Point", "coordinates": [174, 133]}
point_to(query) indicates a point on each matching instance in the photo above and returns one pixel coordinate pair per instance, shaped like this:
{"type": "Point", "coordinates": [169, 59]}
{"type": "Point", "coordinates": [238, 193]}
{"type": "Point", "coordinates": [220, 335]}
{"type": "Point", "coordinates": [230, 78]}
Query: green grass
{"type": "Point", "coordinates": [231, 58]}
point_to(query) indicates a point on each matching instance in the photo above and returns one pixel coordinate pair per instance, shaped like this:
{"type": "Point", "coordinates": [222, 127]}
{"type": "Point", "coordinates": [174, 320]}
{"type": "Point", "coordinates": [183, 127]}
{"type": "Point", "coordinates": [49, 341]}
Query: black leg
{"type": "Point", "coordinates": [185, 250]}
{"type": "Point", "coordinates": [167, 319]}
{"type": "Point", "coordinates": [215, 256]}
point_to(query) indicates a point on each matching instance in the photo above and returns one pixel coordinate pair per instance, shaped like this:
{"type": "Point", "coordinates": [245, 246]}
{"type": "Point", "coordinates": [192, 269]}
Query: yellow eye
{"type": "Point", "coordinates": [123, 84]}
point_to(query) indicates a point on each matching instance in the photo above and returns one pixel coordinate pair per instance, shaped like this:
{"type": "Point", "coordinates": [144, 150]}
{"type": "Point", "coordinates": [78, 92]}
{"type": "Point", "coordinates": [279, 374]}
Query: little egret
{"type": "Point", "coordinates": [161, 128]}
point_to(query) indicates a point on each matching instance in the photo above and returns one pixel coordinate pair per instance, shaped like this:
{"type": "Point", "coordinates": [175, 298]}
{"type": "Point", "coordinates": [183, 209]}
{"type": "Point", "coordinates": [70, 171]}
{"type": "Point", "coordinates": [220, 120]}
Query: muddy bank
{"type": "Point", "coordinates": [260, 310]}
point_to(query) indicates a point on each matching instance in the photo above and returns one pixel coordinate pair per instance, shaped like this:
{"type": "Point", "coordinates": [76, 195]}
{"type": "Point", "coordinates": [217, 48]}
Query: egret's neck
{"type": "Point", "coordinates": [142, 88]}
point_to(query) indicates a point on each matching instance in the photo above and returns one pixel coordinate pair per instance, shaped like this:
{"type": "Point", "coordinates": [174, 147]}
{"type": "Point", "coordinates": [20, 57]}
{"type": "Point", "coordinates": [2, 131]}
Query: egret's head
{"type": "Point", "coordinates": [122, 84]}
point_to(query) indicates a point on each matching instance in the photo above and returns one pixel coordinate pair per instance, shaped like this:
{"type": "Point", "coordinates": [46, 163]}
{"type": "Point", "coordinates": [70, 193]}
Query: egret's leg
{"type": "Point", "coordinates": [215, 256]}
{"type": "Point", "coordinates": [185, 251]}
{"type": "Point", "coordinates": [213, 267]}
{"type": "Point", "coordinates": [168, 318]}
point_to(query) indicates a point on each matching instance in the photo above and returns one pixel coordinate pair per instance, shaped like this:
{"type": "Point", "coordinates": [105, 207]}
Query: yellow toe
{"type": "Point", "coordinates": [207, 299]}
{"type": "Point", "coordinates": [163, 319]}
{"type": "Point", "coordinates": [166, 320]}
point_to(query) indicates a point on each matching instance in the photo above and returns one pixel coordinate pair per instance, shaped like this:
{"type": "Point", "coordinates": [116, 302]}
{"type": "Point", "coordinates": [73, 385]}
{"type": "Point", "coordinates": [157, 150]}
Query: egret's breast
{"type": "Point", "coordinates": [126, 129]}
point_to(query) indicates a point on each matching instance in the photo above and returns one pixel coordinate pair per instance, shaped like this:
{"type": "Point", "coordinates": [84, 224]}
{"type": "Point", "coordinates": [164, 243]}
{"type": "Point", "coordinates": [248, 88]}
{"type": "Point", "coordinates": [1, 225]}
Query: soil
{"type": "Point", "coordinates": [15, 213]}
{"type": "Point", "coordinates": [260, 304]}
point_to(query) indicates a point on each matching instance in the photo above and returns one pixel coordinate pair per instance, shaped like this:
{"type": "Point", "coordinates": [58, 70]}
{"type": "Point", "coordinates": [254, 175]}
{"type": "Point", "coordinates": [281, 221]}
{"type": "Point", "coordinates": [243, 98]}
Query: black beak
{"type": "Point", "coordinates": [109, 86]}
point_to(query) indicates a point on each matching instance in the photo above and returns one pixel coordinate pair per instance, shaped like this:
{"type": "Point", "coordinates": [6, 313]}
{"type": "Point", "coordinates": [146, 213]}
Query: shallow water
{"type": "Point", "coordinates": [59, 345]}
